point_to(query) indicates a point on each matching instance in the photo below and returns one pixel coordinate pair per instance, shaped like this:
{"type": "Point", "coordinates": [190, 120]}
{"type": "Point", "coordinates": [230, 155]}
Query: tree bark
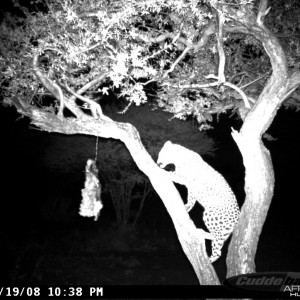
{"type": "Point", "coordinates": [259, 174]}
{"type": "Point", "coordinates": [259, 188]}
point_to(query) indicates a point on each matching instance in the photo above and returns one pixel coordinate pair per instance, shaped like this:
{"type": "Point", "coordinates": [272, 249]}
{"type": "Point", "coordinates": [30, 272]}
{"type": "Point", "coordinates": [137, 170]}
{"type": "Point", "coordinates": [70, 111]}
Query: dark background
{"type": "Point", "coordinates": [39, 248]}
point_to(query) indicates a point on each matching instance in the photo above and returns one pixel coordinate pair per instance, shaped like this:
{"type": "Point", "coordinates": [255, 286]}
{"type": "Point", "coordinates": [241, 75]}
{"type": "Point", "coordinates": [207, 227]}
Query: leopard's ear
{"type": "Point", "coordinates": [168, 143]}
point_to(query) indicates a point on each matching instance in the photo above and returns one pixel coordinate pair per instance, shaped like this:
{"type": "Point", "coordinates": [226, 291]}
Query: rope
{"type": "Point", "coordinates": [96, 154]}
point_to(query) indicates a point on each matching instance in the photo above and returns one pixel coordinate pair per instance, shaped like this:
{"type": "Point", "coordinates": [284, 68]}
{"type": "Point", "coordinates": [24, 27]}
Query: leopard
{"type": "Point", "coordinates": [207, 187]}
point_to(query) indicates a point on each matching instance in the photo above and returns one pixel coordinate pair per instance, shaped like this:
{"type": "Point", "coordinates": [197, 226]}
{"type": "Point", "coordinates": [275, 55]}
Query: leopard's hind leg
{"type": "Point", "coordinates": [220, 224]}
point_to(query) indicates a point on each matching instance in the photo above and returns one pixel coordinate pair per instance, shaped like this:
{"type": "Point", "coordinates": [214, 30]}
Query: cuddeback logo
{"type": "Point", "coordinates": [279, 282]}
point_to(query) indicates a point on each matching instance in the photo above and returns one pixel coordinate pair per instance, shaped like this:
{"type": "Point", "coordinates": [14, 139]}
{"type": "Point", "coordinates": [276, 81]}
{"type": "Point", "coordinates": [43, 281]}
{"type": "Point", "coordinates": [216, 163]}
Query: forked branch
{"type": "Point", "coordinates": [50, 85]}
{"type": "Point", "coordinates": [95, 107]}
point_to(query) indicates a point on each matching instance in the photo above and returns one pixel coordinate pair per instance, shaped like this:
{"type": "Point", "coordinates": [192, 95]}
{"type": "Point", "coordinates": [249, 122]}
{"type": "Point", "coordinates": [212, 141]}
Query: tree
{"type": "Point", "coordinates": [198, 58]}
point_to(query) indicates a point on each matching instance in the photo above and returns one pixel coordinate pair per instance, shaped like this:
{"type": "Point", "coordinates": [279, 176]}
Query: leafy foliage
{"type": "Point", "coordinates": [136, 43]}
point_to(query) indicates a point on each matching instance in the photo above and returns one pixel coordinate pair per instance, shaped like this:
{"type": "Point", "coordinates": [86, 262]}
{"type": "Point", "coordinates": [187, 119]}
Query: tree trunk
{"type": "Point", "coordinates": [259, 187]}
{"type": "Point", "coordinates": [259, 174]}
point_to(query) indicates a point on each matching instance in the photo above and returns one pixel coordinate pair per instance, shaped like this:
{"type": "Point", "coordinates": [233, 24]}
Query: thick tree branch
{"type": "Point", "coordinates": [277, 83]}
{"type": "Point", "coordinates": [259, 173]}
{"type": "Point", "coordinates": [262, 12]}
{"type": "Point", "coordinates": [189, 236]}
{"type": "Point", "coordinates": [56, 91]}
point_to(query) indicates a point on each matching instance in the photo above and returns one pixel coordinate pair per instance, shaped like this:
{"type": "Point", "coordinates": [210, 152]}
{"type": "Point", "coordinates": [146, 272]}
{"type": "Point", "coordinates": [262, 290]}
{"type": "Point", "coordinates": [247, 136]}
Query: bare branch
{"type": "Point", "coordinates": [190, 86]}
{"type": "Point", "coordinates": [181, 56]}
{"type": "Point", "coordinates": [195, 46]}
{"type": "Point", "coordinates": [207, 85]}
{"type": "Point", "coordinates": [163, 37]}
{"type": "Point", "coordinates": [262, 11]}
{"type": "Point", "coordinates": [242, 74]}
{"type": "Point", "coordinates": [89, 85]}
{"type": "Point", "coordinates": [51, 86]}
{"type": "Point", "coordinates": [95, 107]}
{"type": "Point", "coordinates": [169, 46]}
{"type": "Point", "coordinates": [231, 85]}
{"type": "Point", "coordinates": [255, 80]}
{"type": "Point", "coordinates": [122, 112]}
{"type": "Point", "coordinates": [222, 58]}
{"type": "Point", "coordinates": [90, 48]}
{"type": "Point", "coordinates": [205, 36]}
